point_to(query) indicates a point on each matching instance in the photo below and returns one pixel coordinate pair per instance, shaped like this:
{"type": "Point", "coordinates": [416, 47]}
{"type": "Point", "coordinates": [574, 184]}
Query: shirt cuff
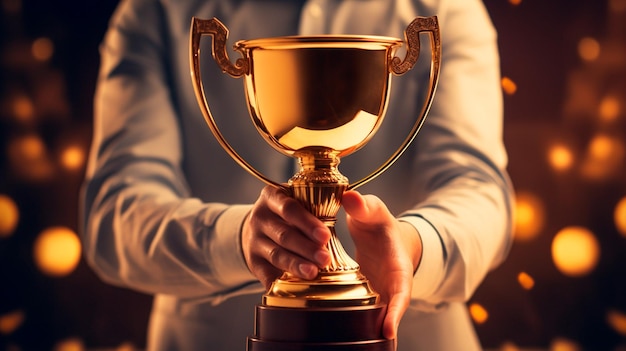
{"type": "Point", "coordinates": [225, 248]}
{"type": "Point", "coordinates": [430, 271]}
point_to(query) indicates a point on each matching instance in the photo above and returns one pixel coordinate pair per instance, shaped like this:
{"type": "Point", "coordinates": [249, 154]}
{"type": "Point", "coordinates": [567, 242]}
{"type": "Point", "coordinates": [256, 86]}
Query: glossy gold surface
{"type": "Point", "coordinates": [317, 99]}
{"type": "Point", "coordinates": [317, 94]}
{"type": "Point", "coordinates": [338, 289]}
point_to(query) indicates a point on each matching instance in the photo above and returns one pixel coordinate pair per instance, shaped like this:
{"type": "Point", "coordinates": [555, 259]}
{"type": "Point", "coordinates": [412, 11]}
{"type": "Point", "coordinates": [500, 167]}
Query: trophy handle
{"type": "Point", "coordinates": [219, 32]}
{"type": "Point", "coordinates": [399, 67]}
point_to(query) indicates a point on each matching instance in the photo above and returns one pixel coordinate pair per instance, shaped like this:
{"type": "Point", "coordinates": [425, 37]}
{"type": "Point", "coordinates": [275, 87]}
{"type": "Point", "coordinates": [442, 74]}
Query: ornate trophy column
{"type": "Point", "coordinates": [318, 98]}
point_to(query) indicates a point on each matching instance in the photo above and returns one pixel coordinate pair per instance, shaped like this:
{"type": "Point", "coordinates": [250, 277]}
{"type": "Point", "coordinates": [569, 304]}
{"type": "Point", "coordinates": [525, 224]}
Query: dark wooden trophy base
{"type": "Point", "coordinates": [319, 329]}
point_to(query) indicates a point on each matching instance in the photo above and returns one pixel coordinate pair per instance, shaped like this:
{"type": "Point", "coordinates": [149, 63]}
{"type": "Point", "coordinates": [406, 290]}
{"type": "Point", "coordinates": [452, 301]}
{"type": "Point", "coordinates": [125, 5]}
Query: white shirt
{"type": "Point", "coordinates": [163, 204]}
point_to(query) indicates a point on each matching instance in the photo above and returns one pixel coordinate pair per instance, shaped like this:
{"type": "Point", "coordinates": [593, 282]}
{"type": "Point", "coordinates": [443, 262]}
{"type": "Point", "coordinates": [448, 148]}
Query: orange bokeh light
{"type": "Point", "coordinates": [126, 346]}
{"type": "Point", "coordinates": [525, 280]}
{"type": "Point", "coordinates": [617, 321]}
{"type": "Point", "coordinates": [479, 313]}
{"type": "Point", "coordinates": [575, 251]}
{"type": "Point", "coordinates": [72, 158]}
{"type": "Point", "coordinates": [9, 215]}
{"type": "Point", "coordinates": [70, 344]}
{"type": "Point", "coordinates": [508, 85]}
{"type": "Point", "coordinates": [509, 346]}
{"type": "Point", "coordinates": [42, 49]}
{"type": "Point", "coordinates": [619, 215]}
{"type": "Point", "coordinates": [30, 148]}
{"type": "Point", "coordinates": [562, 344]}
{"type": "Point", "coordinates": [560, 157]}
{"type": "Point", "coordinates": [588, 49]}
{"type": "Point", "coordinates": [11, 321]}
{"type": "Point", "coordinates": [604, 157]}
{"type": "Point", "coordinates": [29, 159]}
{"type": "Point", "coordinates": [609, 108]}
{"type": "Point", "coordinates": [23, 108]}
{"type": "Point", "coordinates": [529, 216]}
{"type": "Point", "coordinates": [601, 147]}
{"type": "Point", "coordinates": [57, 251]}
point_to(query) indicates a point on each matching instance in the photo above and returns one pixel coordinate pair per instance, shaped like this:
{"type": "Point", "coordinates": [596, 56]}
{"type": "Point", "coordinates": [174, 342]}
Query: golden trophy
{"type": "Point", "coordinates": [318, 98]}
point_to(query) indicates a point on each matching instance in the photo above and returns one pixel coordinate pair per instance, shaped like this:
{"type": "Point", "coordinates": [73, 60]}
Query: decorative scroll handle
{"type": "Point", "coordinates": [430, 25]}
{"type": "Point", "coordinates": [219, 32]}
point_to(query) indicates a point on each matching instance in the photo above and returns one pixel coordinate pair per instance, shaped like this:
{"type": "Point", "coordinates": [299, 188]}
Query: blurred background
{"type": "Point", "coordinates": [563, 287]}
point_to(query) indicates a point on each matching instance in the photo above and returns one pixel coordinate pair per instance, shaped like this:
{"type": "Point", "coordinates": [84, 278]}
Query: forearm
{"type": "Point", "coordinates": [469, 233]}
{"type": "Point", "coordinates": [140, 233]}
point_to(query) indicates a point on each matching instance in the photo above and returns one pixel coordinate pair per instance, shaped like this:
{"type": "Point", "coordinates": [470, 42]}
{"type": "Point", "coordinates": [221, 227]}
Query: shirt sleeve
{"type": "Point", "coordinates": [465, 219]}
{"type": "Point", "coordinates": [140, 227]}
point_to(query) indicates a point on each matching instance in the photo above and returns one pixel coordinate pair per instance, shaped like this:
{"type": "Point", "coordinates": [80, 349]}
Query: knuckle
{"type": "Point", "coordinates": [255, 215]}
{"type": "Point", "coordinates": [282, 260]}
{"type": "Point", "coordinates": [274, 255]}
{"type": "Point", "coordinates": [266, 191]}
{"type": "Point", "coordinates": [282, 236]}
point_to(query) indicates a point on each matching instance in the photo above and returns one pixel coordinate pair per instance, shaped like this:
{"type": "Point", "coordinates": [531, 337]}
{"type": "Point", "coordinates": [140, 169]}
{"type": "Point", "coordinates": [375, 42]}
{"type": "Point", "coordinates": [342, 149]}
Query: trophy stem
{"type": "Point", "coordinates": [340, 261]}
{"type": "Point", "coordinates": [319, 186]}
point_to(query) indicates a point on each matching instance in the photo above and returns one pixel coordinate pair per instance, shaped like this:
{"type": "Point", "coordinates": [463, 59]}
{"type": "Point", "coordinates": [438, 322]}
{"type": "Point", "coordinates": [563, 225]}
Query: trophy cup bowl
{"type": "Point", "coordinates": [317, 99]}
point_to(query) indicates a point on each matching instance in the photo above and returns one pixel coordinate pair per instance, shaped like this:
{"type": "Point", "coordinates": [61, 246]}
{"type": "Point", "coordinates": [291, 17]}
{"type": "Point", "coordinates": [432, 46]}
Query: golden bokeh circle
{"type": "Point", "coordinates": [560, 157]}
{"type": "Point", "coordinates": [9, 216]}
{"type": "Point", "coordinates": [589, 49]}
{"type": "Point", "coordinates": [57, 251]}
{"type": "Point", "coordinates": [72, 157]}
{"type": "Point", "coordinates": [575, 251]}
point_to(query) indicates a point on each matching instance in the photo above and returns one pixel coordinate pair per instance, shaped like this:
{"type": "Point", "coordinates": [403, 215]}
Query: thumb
{"type": "Point", "coordinates": [365, 209]}
{"type": "Point", "coordinates": [355, 205]}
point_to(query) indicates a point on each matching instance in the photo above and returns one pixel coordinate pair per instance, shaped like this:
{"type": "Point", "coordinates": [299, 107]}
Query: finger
{"type": "Point", "coordinates": [395, 310]}
{"type": "Point", "coordinates": [266, 273]}
{"type": "Point", "coordinates": [292, 242]}
{"type": "Point", "coordinates": [282, 233]}
{"type": "Point", "coordinates": [285, 260]}
{"type": "Point", "coordinates": [292, 212]}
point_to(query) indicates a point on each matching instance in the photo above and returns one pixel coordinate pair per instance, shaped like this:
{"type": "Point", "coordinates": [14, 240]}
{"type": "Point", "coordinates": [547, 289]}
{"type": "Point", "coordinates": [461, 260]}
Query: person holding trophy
{"type": "Point", "coordinates": [167, 212]}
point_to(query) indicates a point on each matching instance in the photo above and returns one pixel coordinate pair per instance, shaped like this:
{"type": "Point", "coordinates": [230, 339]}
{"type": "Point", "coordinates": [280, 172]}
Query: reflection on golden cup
{"type": "Point", "coordinates": [317, 98]}
{"type": "Point", "coordinates": [297, 101]}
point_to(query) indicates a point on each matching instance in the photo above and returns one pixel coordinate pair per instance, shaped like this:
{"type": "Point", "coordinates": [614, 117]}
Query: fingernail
{"type": "Point", "coordinates": [321, 257]}
{"type": "Point", "coordinates": [320, 235]}
{"type": "Point", "coordinates": [308, 270]}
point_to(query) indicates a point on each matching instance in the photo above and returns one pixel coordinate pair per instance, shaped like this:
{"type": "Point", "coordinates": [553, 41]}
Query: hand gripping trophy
{"type": "Point", "coordinates": [303, 110]}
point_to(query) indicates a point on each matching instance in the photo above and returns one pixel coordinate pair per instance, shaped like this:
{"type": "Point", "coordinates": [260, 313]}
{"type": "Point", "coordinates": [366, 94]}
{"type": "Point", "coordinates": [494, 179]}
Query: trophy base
{"type": "Point", "coordinates": [355, 328]}
{"type": "Point", "coordinates": [373, 345]}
